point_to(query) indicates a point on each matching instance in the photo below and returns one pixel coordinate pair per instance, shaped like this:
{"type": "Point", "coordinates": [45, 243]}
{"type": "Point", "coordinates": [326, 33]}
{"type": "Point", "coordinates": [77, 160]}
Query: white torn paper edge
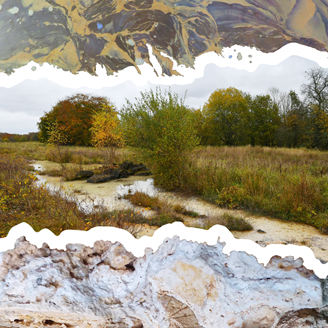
{"type": "Point", "coordinates": [84, 79]}
{"type": "Point", "coordinates": [137, 246]}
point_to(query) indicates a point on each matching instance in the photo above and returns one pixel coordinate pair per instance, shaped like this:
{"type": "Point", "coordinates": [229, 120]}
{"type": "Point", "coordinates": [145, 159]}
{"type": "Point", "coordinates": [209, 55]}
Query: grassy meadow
{"type": "Point", "coordinates": [284, 183]}
{"type": "Point", "coordinates": [290, 184]}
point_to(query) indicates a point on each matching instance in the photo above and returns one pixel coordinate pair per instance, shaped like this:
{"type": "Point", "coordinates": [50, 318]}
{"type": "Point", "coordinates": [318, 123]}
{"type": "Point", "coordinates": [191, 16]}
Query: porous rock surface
{"type": "Point", "coordinates": [182, 284]}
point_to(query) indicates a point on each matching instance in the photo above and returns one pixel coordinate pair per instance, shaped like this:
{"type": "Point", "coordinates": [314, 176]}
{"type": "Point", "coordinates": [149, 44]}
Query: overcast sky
{"type": "Point", "coordinates": [22, 105]}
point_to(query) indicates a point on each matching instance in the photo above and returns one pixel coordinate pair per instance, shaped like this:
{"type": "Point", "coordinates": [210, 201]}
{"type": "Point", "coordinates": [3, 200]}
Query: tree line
{"type": "Point", "coordinates": [14, 137]}
{"type": "Point", "coordinates": [234, 118]}
{"type": "Point", "coordinates": [229, 117]}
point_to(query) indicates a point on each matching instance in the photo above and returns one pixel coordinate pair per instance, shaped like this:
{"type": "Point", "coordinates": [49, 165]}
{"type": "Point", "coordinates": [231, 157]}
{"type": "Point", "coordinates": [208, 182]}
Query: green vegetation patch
{"type": "Point", "coordinates": [230, 221]}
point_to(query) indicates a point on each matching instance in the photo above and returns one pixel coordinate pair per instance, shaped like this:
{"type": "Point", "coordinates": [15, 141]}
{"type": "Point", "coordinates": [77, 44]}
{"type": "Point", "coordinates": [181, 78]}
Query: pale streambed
{"type": "Point", "coordinates": [276, 231]}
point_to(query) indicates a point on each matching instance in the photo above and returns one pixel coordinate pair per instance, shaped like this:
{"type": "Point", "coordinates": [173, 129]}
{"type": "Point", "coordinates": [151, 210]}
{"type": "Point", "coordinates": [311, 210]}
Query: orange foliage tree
{"type": "Point", "coordinates": [74, 118]}
{"type": "Point", "coordinates": [106, 133]}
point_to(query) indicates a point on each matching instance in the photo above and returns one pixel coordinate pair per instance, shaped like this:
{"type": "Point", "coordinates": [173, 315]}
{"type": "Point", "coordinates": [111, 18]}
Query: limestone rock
{"type": "Point", "coordinates": [263, 318]}
{"type": "Point", "coordinates": [181, 285]}
{"type": "Point", "coordinates": [118, 258]}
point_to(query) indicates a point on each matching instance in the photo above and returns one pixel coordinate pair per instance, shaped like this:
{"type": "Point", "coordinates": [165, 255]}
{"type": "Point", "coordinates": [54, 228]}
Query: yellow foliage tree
{"type": "Point", "coordinates": [106, 132]}
{"type": "Point", "coordinates": [56, 138]}
{"type": "Point", "coordinates": [226, 117]}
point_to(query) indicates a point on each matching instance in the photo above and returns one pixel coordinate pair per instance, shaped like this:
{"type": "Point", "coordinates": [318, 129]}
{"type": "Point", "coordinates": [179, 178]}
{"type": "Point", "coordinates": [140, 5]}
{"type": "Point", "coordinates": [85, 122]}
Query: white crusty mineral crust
{"type": "Point", "coordinates": [183, 284]}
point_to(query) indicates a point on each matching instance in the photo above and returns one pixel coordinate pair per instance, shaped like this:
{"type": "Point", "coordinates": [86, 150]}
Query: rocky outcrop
{"type": "Point", "coordinates": [182, 284]}
{"type": "Point", "coordinates": [124, 170]}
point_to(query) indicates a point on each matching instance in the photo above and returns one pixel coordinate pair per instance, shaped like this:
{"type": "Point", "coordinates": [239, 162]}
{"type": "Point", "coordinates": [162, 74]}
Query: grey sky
{"type": "Point", "coordinates": [22, 105]}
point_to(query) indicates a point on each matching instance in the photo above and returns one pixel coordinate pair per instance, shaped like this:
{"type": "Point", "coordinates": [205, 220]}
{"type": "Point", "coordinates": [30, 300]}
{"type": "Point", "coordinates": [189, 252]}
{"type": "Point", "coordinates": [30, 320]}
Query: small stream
{"type": "Point", "coordinates": [271, 231]}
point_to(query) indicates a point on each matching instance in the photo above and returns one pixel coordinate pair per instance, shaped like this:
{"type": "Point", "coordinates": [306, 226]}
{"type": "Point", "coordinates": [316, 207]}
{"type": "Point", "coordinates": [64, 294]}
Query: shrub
{"type": "Point", "coordinates": [231, 222]}
{"type": "Point", "coordinates": [232, 197]}
{"type": "Point", "coordinates": [163, 129]}
{"type": "Point", "coordinates": [180, 209]}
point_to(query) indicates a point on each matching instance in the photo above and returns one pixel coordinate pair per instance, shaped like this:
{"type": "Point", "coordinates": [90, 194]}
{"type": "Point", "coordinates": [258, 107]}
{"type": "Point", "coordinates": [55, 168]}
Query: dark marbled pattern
{"type": "Point", "coordinates": [75, 35]}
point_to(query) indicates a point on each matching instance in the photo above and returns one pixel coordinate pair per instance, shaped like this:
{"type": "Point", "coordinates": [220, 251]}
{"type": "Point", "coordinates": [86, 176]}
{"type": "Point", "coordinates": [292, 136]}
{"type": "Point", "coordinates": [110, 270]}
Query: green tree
{"type": "Point", "coordinates": [74, 118]}
{"type": "Point", "coordinates": [293, 129]}
{"type": "Point", "coordinates": [226, 117]}
{"type": "Point", "coordinates": [318, 128]}
{"type": "Point", "coordinates": [200, 125]}
{"type": "Point", "coordinates": [163, 129]}
{"type": "Point", "coordinates": [263, 120]}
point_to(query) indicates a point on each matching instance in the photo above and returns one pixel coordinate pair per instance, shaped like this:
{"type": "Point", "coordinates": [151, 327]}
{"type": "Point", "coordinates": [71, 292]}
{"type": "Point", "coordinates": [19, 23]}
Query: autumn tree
{"type": "Point", "coordinates": [163, 129]}
{"type": "Point", "coordinates": [56, 138]}
{"type": "Point", "coordinates": [226, 116]}
{"type": "Point", "coordinates": [74, 118]}
{"type": "Point", "coordinates": [106, 133]}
